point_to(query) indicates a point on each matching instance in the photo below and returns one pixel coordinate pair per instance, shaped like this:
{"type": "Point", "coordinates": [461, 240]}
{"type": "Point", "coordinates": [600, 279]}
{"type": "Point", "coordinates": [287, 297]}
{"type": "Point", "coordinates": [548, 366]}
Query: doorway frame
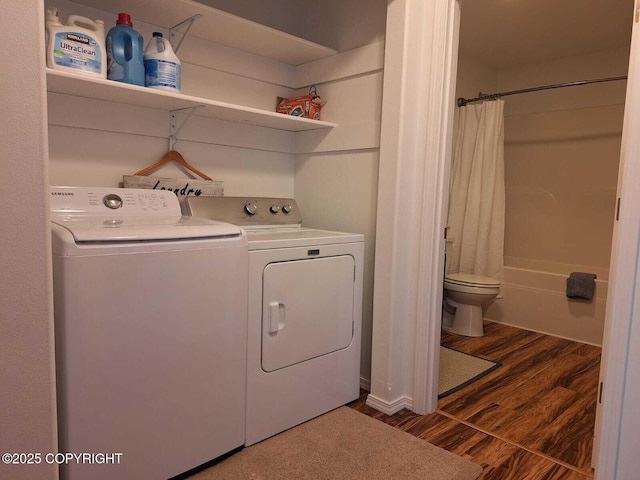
{"type": "Point", "coordinates": [617, 420]}
{"type": "Point", "coordinates": [415, 148]}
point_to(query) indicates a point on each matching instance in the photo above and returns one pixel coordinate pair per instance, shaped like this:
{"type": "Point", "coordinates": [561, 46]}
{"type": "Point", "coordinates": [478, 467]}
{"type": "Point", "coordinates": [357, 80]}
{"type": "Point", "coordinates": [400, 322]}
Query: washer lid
{"type": "Point", "coordinates": [471, 280]}
{"type": "Point", "coordinates": [88, 228]}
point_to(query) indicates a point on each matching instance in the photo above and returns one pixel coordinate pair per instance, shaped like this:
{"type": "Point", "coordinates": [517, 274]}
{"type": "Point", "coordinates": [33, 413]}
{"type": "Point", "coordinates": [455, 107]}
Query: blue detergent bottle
{"type": "Point", "coordinates": [125, 50]}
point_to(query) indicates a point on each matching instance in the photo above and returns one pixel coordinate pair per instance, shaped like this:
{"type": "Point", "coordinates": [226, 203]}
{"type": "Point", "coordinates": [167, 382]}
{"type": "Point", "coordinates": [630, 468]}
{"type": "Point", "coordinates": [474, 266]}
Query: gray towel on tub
{"type": "Point", "coordinates": [581, 285]}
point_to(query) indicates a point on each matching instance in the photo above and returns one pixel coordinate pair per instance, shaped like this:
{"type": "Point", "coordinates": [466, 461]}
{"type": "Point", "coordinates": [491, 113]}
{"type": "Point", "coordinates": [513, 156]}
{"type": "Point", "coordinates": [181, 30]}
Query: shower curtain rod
{"type": "Point", "coordinates": [493, 96]}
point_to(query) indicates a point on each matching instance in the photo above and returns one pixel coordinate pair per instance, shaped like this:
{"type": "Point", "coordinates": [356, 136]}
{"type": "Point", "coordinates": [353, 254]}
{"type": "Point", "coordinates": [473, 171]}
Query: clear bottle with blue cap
{"type": "Point", "coordinates": [162, 66]}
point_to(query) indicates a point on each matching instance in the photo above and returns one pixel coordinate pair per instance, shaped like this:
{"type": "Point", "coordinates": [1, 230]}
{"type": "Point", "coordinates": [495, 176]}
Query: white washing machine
{"type": "Point", "coordinates": [305, 312]}
{"type": "Point", "coordinates": [150, 329]}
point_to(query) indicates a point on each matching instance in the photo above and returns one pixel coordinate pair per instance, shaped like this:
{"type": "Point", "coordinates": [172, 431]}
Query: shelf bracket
{"type": "Point", "coordinates": [176, 36]}
{"type": "Point", "coordinates": [175, 126]}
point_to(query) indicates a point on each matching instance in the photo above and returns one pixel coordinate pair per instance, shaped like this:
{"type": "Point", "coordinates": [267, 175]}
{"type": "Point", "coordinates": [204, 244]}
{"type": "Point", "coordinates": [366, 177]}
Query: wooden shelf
{"type": "Point", "coordinates": [93, 87]}
{"type": "Point", "coordinates": [218, 26]}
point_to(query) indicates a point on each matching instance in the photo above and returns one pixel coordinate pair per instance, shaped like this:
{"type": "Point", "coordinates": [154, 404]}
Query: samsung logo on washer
{"type": "Point", "coordinates": [62, 194]}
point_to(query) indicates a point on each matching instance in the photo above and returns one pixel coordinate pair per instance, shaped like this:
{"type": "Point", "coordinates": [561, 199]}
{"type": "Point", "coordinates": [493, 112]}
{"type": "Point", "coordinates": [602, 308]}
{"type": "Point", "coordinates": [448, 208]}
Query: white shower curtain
{"type": "Point", "coordinates": [476, 197]}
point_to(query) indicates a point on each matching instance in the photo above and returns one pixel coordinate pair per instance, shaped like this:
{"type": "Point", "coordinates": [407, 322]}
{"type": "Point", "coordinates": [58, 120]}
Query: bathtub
{"type": "Point", "coordinates": [536, 300]}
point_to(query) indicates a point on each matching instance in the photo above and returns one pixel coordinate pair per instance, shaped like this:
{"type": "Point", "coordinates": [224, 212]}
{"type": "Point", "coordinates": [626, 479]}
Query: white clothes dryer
{"type": "Point", "coordinates": [150, 333]}
{"type": "Point", "coordinates": [305, 312]}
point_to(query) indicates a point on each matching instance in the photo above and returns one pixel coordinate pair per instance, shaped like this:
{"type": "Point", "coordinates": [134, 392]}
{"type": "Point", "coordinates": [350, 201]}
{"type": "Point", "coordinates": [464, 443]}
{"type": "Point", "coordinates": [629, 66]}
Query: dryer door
{"type": "Point", "coordinates": [307, 309]}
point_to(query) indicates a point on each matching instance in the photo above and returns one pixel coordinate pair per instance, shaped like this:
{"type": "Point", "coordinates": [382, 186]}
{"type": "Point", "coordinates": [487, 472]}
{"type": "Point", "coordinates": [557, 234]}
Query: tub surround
{"type": "Point", "coordinates": [537, 301]}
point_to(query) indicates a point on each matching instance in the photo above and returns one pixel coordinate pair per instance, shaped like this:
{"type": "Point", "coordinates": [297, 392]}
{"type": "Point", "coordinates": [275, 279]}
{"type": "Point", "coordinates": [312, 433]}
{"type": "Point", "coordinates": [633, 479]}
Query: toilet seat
{"type": "Point", "coordinates": [471, 280]}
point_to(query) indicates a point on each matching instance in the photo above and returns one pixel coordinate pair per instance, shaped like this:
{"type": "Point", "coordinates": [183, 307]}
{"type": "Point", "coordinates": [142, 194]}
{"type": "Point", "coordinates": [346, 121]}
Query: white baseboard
{"type": "Point", "coordinates": [389, 408]}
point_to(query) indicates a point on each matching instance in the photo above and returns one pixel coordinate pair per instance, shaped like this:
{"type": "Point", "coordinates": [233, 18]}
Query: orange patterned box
{"type": "Point", "coordinates": [306, 106]}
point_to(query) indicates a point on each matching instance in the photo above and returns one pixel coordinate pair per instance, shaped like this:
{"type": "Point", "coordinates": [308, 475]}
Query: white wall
{"type": "Point", "coordinates": [282, 15]}
{"type": "Point", "coordinates": [474, 77]}
{"type": "Point", "coordinates": [344, 25]}
{"type": "Point", "coordinates": [336, 173]}
{"type": "Point", "coordinates": [334, 23]}
{"type": "Point", "coordinates": [27, 381]}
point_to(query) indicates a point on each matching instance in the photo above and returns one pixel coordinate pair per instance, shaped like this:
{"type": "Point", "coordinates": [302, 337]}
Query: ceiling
{"type": "Point", "coordinates": [505, 33]}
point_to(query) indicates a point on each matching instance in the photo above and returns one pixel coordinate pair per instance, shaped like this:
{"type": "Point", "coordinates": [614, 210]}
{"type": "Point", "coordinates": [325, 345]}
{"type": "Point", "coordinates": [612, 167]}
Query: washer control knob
{"type": "Point", "coordinates": [274, 209]}
{"type": "Point", "coordinates": [112, 201]}
{"type": "Point", "coordinates": [251, 208]}
{"type": "Point", "coordinates": [287, 208]}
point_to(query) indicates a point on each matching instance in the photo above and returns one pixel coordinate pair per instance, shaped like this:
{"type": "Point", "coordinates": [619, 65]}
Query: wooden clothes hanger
{"type": "Point", "coordinates": [173, 156]}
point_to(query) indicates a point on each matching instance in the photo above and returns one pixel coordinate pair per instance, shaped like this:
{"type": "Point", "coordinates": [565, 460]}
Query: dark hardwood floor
{"type": "Point", "coordinates": [532, 418]}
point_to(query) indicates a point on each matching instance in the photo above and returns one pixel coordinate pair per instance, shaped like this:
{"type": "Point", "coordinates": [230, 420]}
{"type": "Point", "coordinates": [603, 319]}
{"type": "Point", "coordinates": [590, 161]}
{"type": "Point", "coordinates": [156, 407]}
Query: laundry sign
{"type": "Point", "coordinates": [182, 187]}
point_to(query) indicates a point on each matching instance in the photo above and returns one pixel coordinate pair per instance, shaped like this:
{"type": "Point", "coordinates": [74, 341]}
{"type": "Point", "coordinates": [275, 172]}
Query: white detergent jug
{"type": "Point", "coordinates": [78, 46]}
{"type": "Point", "coordinates": [161, 65]}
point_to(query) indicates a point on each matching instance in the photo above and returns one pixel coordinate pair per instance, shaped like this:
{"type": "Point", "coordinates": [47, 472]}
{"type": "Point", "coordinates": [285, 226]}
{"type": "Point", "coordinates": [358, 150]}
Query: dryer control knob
{"type": "Point", "coordinates": [287, 208]}
{"type": "Point", "coordinates": [251, 208]}
{"type": "Point", "coordinates": [274, 209]}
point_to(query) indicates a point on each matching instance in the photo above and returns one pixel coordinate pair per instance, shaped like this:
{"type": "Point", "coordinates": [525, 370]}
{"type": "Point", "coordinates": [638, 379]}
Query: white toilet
{"type": "Point", "coordinates": [464, 296]}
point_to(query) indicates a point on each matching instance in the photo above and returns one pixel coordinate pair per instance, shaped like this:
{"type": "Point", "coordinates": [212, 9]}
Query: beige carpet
{"type": "Point", "coordinates": [458, 369]}
{"type": "Point", "coordinates": [342, 445]}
